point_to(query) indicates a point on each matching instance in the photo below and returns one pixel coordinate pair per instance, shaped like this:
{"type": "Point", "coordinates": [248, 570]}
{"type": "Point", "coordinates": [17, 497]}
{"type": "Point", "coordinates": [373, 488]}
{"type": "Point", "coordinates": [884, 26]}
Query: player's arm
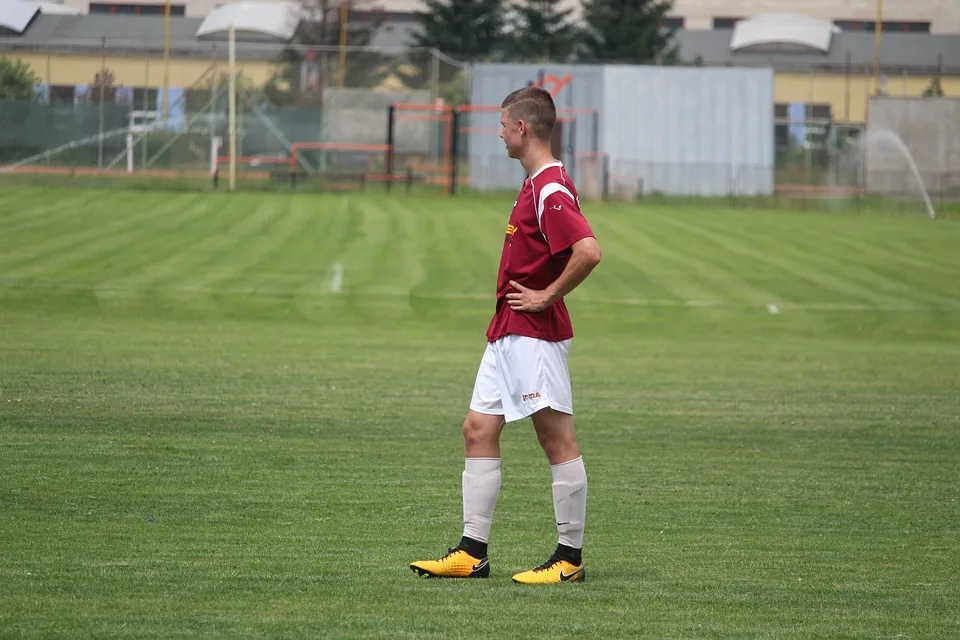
{"type": "Point", "coordinates": [584, 256]}
{"type": "Point", "coordinates": [564, 227]}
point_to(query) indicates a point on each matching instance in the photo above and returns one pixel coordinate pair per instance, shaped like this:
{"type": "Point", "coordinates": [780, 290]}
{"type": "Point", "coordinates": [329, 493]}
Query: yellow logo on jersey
{"type": "Point", "coordinates": [511, 229]}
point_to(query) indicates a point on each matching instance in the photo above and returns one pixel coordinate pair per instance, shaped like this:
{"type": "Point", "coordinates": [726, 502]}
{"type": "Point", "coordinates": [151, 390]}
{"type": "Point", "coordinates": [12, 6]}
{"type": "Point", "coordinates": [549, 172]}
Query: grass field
{"type": "Point", "coordinates": [198, 437]}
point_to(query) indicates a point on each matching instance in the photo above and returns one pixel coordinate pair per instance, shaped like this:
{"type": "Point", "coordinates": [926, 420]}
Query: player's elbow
{"type": "Point", "coordinates": [590, 251]}
{"type": "Point", "coordinates": [595, 255]}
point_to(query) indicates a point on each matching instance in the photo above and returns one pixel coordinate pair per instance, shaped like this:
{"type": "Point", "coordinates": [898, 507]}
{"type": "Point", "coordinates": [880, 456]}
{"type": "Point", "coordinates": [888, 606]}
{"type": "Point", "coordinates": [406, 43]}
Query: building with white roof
{"type": "Point", "coordinates": [925, 16]}
{"type": "Point", "coordinates": [817, 62]}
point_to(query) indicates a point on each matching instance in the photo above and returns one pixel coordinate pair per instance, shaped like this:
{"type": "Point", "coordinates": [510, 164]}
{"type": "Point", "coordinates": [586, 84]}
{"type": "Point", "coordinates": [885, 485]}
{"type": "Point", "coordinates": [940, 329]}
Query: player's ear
{"type": "Point", "coordinates": [522, 127]}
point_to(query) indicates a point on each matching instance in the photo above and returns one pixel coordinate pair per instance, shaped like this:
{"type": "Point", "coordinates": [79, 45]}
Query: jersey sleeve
{"type": "Point", "coordinates": [561, 220]}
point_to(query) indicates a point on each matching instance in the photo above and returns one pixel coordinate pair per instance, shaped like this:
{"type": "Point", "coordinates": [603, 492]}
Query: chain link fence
{"type": "Point", "coordinates": [100, 109]}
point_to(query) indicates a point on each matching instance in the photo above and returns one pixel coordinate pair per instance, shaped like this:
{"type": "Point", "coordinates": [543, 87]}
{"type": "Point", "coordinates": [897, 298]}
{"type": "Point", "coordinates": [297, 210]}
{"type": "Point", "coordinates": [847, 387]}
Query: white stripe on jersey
{"type": "Point", "coordinates": [547, 191]}
{"type": "Point", "coordinates": [545, 167]}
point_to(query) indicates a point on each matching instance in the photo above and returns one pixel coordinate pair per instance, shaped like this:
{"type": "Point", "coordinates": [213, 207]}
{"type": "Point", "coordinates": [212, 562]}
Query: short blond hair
{"type": "Point", "coordinates": [533, 105]}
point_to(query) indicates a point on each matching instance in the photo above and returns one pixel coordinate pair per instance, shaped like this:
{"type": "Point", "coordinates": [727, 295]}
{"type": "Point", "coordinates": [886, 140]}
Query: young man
{"type": "Point", "coordinates": [549, 249]}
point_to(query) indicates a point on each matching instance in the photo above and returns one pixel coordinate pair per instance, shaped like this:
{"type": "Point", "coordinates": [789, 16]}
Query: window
{"type": "Point", "coordinates": [673, 22]}
{"type": "Point", "coordinates": [725, 23]}
{"type": "Point", "coordinates": [798, 123]}
{"type": "Point", "coordinates": [896, 26]}
{"type": "Point", "coordinates": [819, 111]}
{"type": "Point", "coordinates": [146, 99]}
{"type": "Point", "coordinates": [380, 15]}
{"type": "Point", "coordinates": [62, 94]}
{"type": "Point", "coordinates": [801, 111]}
{"type": "Point", "coordinates": [781, 135]}
{"type": "Point", "coordinates": [135, 9]}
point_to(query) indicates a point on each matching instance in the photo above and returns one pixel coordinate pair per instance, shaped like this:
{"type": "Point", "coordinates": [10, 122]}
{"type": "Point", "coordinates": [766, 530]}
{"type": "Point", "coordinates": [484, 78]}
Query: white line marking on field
{"type": "Point", "coordinates": [336, 280]}
{"type": "Point", "coordinates": [950, 306]}
{"type": "Point", "coordinates": [772, 308]}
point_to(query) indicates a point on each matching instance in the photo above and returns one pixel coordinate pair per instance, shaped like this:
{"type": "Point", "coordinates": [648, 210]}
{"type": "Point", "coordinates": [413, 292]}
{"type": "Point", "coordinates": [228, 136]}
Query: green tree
{"type": "Point", "coordinates": [105, 81]}
{"type": "Point", "coordinates": [16, 80]}
{"type": "Point", "coordinates": [934, 89]}
{"type": "Point", "coordinates": [541, 31]}
{"type": "Point", "coordinates": [302, 74]}
{"type": "Point", "coordinates": [199, 94]}
{"type": "Point", "coordinates": [628, 31]}
{"type": "Point", "coordinates": [462, 29]}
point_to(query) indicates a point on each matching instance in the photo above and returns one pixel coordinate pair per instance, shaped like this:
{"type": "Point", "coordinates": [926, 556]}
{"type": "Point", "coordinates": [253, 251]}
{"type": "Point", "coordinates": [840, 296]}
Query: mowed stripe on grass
{"type": "Point", "coordinates": [199, 437]}
{"type": "Point", "coordinates": [287, 245]}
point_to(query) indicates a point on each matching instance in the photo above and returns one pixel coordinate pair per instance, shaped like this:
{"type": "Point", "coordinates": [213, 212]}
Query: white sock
{"type": "Point", "coordinates": [570, 501]}
{"type": "Point", "coordinates": [481, 487]}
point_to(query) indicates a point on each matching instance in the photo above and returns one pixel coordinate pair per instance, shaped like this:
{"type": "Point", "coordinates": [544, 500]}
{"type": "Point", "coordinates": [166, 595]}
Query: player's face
{"type": "Point", "coordinates": [511, 134]}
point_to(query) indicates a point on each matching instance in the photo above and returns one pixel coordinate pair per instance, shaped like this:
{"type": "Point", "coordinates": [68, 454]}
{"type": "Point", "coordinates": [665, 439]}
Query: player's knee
{"type": "Point", "coordinates": [548, 441]}
{"type": "Point", "coordinates": [557, 444]}
{"type": "Point", "coordinates": [477, 432]}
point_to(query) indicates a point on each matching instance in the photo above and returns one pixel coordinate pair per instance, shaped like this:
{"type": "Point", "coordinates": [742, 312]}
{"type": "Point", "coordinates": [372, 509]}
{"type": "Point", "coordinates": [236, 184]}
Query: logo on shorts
{"type": "Point", "coordinates": [531, 396]}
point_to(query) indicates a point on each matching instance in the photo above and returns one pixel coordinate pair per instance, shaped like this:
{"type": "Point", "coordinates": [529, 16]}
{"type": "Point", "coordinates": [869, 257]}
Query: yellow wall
{"type": "Point", "coordinates": [60, 69]}
{"type": "Point", "coordinates": [849, 98]}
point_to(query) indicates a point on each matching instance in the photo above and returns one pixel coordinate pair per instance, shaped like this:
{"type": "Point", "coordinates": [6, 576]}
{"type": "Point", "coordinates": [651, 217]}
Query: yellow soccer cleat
{"type": "Point", "coordinates": [456, 564]}
{"type": "Point", "coordinates": [552, 571]}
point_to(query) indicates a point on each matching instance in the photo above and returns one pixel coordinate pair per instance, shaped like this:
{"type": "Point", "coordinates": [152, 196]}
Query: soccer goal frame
{"type": "Point", "coordinates": [454, 126]}
{"type": "Point", "coordinates": [443, 170]}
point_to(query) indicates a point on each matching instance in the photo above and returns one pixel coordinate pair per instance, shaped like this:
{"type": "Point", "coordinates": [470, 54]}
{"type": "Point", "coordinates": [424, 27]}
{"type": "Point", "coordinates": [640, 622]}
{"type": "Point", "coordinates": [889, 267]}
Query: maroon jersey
{"type": "Point", "coordinates": [546, 220]}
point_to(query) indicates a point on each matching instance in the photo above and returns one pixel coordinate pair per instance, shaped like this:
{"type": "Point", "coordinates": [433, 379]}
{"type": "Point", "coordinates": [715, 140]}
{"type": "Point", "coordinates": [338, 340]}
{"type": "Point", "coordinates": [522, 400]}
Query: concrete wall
{"type": "Point", "coordinates": [359, 116]}
{"type": "Point", "coordinates": [680, 131]}
{"type": "Point", "coordinates": [930, 130]}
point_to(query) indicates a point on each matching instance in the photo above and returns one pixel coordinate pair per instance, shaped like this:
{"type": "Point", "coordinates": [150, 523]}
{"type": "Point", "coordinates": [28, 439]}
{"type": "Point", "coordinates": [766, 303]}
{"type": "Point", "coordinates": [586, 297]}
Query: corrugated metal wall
{"type": "Point", "coordinates": [490, 168]}
{"type": "Point", "coordinates": [676, 130]}
{"type": "Point", "coordinates": [690, 131]}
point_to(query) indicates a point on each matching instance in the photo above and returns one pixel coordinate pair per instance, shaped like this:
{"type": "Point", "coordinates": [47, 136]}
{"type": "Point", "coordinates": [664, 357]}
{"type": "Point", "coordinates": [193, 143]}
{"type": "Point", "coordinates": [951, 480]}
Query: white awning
{"type": "Point", "coordinates": [16, 15]}
{"type": "Point", "coordinates": [261, 20]}
{"type": "Point", "coordinates": [783, 31]}
{"type": "Point", "coordinates": [53, 8]}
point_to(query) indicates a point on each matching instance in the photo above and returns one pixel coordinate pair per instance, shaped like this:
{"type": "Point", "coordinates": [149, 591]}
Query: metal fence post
{"type": "Point", "coordinates": [103, 70]}
{"type": "Point", "coordinates": [454, 150]}
{"type": "Point", "coordinates": [391, 116]}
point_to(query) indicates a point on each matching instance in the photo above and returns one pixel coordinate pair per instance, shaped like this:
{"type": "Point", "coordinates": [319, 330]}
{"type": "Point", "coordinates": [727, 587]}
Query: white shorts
{"type": "Point", "coordinates": [519, 376]}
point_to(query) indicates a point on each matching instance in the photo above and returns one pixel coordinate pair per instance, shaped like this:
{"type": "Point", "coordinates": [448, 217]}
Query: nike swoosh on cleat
{"type": "Point", "coordinates": [477, 567]}
{"type": "Point", "coordinates": [564, 577]}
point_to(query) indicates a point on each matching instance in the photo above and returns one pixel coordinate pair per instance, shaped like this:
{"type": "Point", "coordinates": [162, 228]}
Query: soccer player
{"type": "Point", "coordinates": [549, 249]}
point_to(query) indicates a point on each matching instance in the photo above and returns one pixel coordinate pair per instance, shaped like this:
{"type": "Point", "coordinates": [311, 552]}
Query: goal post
{"type": "Point", "coordinates": [422, 141]}
{"type": "Point", "coordinates": [458, 146]}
